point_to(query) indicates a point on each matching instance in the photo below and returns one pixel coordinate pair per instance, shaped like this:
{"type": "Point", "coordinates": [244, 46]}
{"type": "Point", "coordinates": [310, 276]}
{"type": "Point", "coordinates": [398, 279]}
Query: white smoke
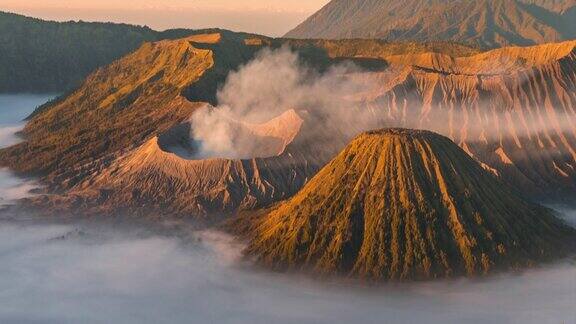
{"type": "Point", "coordinates": [274, 82]}
{"type": "Point", "coordinates": [344, 101]}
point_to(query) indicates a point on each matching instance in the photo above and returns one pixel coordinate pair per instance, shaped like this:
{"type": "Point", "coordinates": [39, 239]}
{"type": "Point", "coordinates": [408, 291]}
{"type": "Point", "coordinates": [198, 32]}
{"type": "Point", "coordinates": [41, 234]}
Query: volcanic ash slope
{"type": "Point", "coordinates": [402, 204]}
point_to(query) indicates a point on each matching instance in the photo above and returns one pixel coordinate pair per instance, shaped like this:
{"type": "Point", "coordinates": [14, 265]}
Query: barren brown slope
{"type": "Point", "coordinates": [154, 181]}
{"type": "Point", "coordinates": [402, 204]}
{"type": "Point", "coordinates": [121, 106]}
{"type": "Point", "coordinates": [512, 109]}
{"type": "Point", "coordinates": [486, 23]}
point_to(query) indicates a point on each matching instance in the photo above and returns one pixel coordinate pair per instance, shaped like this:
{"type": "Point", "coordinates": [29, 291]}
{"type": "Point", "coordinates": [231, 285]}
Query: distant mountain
{"type": "Point", "coordinates": [401, 204]}
{"type": "Point", "coordinates": [48, 56]}
{"type": "Point", "coordinates": [485, 23]}
{"type": "Point", "coordinates": [43, 56]}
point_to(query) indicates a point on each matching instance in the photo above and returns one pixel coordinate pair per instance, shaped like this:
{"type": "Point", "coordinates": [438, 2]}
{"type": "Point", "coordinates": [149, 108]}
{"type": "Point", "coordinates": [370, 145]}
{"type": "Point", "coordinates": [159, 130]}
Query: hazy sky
{"type": "Point", "coordinates": [270, 17]}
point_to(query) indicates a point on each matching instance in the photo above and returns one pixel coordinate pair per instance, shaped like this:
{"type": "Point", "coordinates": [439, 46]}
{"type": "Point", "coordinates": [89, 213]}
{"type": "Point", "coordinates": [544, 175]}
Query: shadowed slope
{"type": "Point", "coordinates": [403, 204]}
{"type": "Point", "coordinates": [487, 23]}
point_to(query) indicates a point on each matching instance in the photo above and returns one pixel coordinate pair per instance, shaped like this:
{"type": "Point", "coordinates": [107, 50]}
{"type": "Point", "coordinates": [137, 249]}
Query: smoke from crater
{"type": "Point", "coordinates": [345, 100]}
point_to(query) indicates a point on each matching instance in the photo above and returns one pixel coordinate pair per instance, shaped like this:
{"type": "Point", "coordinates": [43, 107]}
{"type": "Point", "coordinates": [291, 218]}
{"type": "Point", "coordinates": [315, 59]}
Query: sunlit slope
{"type": "Point", "coordinates": [512, 108]}
{"type": "Point", "coordinates": [403, 204]}
{"type": "Point", "coordinates": [122, 105]}
{"type": "Point", "coordinates": [151, 180]}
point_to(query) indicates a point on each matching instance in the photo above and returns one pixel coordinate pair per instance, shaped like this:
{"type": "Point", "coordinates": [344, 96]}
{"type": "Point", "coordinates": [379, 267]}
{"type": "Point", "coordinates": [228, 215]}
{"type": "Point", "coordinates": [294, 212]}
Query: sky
{"type": "Point", "coordinates": [268, 17]}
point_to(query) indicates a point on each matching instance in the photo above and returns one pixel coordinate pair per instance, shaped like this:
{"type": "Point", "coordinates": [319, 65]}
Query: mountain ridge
{"type": "Point", "coordinates": [486, 23]}
{"type": "Point", "coordinates": [42, 56]}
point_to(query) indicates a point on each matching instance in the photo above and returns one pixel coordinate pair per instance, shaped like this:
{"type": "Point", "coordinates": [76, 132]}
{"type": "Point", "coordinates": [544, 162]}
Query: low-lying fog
{"type": "Point", "coordinates": [97, 273]}
{"type": "Point", "coordinates": [13, 110]}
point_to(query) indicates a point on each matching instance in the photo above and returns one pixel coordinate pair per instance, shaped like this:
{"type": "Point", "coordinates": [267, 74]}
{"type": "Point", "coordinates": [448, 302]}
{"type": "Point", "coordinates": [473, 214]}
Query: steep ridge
{"type": "Point", "coordinates": [401, 204]}
{"type": "Point", "coordinates": [55, 57]}
{"type": "Point", "coordinates": [121, 106]}
{"type": "Point", "coordinates": [486, 23]}
{"type": "Point", "coordinates": [511, 108]}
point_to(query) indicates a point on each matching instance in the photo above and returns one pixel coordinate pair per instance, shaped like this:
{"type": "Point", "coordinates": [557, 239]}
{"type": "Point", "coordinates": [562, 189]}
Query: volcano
{"type": "Point", "coordinates": [486, 23]}
{"type": "Point", "coordinates": [401, 204]}
{"type": "Point", "coordinates": [108, 146]}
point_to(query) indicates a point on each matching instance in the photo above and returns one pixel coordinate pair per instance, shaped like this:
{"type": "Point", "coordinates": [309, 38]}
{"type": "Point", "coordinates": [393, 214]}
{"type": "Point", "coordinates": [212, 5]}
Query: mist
{"type": "Point", "coordinates": [341, 102]}
{"type": "Point", "coordinates": [13, 110]}
{"type": "Point", "coordinates": [13, 188]}
{"type": "Point", "coordinates": [274, 82]}
{"type": "Point", "coordinates": [99, 273]}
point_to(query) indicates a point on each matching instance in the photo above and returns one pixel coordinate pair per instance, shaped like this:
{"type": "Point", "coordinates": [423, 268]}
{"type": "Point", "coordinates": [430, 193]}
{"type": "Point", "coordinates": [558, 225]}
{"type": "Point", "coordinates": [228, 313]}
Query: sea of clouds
{"type": "Point", "coordinates": [88, 273]}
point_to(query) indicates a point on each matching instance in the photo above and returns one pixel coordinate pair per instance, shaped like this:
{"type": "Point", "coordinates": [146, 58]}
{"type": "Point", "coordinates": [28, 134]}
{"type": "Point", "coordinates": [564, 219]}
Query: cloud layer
{"type": "Point", "coordinates": [96, 274]}
{"type": "Point", "coordinates": [13, 109]}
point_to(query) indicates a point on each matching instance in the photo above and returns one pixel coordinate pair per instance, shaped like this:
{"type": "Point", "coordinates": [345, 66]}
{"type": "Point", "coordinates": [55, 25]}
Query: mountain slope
{"type": "Point", "coordinates": [121, 106]}
{"type": "Point", "coordinates": [559, 6]}
{"type": "Point", "coordinates": [486, 23]}
{"type": "Point", "coordinates": [156, 179]}
{"type": "Point", "coordinates": [511, 109]}
{"type": "Point", "coordinates": [401, 204]}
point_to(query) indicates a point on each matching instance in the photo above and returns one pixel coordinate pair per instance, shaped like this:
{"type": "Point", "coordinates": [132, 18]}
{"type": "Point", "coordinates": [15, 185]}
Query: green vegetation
{"type": "Point", "coordinates": [47, 56]}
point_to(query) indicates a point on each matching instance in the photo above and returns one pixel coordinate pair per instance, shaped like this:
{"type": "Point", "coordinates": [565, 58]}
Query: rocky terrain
{"type": "Point", "coordinates": [486, 23]}
{"type": "Point", "coordinates": [400, 204]}
{"type": "Point", "coordinates": [511, 108]}
{"type": "Point", "coordinates": [121, 141]}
